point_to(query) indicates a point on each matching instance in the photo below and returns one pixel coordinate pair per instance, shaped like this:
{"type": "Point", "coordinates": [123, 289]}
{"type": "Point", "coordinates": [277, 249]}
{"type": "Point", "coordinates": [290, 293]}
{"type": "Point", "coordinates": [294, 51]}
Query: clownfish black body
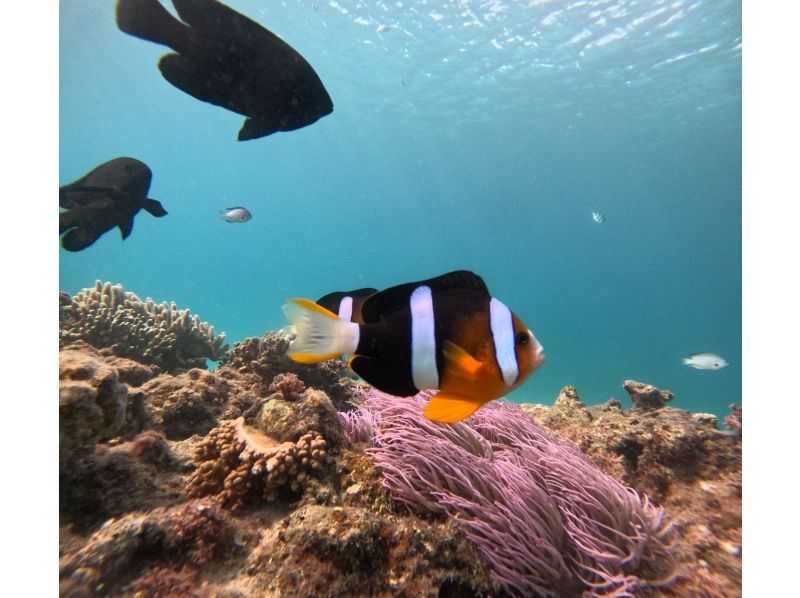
{"type": "Point", "coordinates": [446, 333]}
{"type": "Point", "coordinates": [347, 304]}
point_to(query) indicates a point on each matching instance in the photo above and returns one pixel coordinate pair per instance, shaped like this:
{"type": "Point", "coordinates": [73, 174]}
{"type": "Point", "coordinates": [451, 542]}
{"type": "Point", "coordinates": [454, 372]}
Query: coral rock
{"type": "Point", "coordinates": [92, 402]}
{"type": "Point", "coordinates": [285, 420]}
{"type": "Point", "coordinates": [106, 316]}
{"type": "Point", "coordinates": [289, 385]}
{"type": "Point", "coordinates": [193, 402]}
{"type": "Point", "coordinates": [266, 357]}
{"type": "Point", "coordinates": [190, 535]}
{"type": "Point", "coordinates": [646, 396]}
{"type": "Point", "coordinates": [335, 551]}
{"type": "Point", "coordinates": [733, 421]}
{"type": "Point", "coordinates": [239, 463]}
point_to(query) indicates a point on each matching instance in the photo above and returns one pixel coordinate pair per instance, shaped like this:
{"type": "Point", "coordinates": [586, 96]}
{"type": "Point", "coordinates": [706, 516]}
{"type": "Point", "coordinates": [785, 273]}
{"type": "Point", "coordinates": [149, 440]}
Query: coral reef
{"type": "Point", "coordinates": [106, 316]}
{"type": "Point", "coordinates": [238, 463]}
{"type": "Point", "coordinates": [352, 551]}
{"type": "Point", "coordinates": [684, 462]}
{"type": "Point", "coordinates": [193, 402]}
{"type": "Point", "coordinates": [284, 420]}
{"type": "Point", "coordinates": [130, 435]}
{"type": "Point", "coordinates": [289, 385]}
{"type": "Point", "coordinates": [92, 403]}
{"type": "Point", "coordinates": [734, 419]}
{"type": "Point", "coordinates": [549, 522]}
{"type": "Point", "coordinates": [266, 357]}
{"type": "Point", "coordinates": [188, 536]}
{"type": "Point", "coordinates": [646, 396]}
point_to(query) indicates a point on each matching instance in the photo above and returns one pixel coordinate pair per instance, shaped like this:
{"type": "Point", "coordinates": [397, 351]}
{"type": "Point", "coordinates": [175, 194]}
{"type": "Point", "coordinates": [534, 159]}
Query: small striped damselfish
{"type": "Point", "coordinates": [446, 333]}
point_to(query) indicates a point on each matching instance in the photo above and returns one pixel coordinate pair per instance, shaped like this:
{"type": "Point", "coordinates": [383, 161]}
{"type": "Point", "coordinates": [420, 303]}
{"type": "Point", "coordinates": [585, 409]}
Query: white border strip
{"type": "Point", "coordinates": [503, 334]}
{"type": "Point", "coordinates": [423, 339]}
{"type": "Point", "coordinates": [346, 309]}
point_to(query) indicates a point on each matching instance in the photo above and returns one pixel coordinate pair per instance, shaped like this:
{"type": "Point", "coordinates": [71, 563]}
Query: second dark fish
{"type": "Point", "coordinates": [228, 60]}
{"type": "Point", "coordinates": [108, 196]}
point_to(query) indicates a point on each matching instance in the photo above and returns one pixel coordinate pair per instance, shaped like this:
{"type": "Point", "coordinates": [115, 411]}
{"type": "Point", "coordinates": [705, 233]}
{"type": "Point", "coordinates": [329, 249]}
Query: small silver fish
{"type": "Point", "coordinates": [705, 361]}
{"type": "Point", "coordinates": [238, 214]}
{"type": "Point", "coordinates": [598, 217]}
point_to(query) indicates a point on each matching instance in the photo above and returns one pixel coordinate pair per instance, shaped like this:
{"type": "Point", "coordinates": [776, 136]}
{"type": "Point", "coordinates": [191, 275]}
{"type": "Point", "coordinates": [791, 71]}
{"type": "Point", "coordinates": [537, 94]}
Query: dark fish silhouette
{"type": "Point", "coordinates": [109, 196]}
{"type": "Point", "coordinates": [228, 60]}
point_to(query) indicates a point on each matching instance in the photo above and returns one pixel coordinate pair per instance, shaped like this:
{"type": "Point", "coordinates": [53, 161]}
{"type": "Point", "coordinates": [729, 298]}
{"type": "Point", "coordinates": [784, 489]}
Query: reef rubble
{"type": "Point", "coordinates": [263, 478]}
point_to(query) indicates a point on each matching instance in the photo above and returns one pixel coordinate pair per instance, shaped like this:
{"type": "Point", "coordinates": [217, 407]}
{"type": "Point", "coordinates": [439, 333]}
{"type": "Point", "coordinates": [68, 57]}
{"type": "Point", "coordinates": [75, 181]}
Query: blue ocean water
{"type": "Point", "coordinates": [478, 135]}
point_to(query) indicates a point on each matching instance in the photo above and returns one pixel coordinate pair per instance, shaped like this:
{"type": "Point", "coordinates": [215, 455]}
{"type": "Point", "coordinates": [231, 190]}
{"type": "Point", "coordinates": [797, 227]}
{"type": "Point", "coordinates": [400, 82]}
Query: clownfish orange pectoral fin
{"type": "Point", "coordinates": [460, 364]}
{"type": "Point", "coordinates": [449, 408]}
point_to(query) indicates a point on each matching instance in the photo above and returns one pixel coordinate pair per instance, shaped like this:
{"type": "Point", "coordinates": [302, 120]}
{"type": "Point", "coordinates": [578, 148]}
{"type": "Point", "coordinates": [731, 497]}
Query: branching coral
{"type": "Point", "coordinates": [266, 357]}
{"type": "Point", "coordinates": [237, 463]}
{"type": "Point", "coordinates": [734, 419]}
{"type": "Point", "coordinates": [549, 522]}
{"type": "Point", "coordinates": [108, 317]}
{"type": "Point", "coordinates": [288, 384]}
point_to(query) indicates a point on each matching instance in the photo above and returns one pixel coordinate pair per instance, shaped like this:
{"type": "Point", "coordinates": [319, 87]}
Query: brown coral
{"type": "Point", "coordinates": [284, 420]}
{"type": "Point", "coordinates": [288, 384]}
{"type": "Point", "coordinates": [266, 357]}
{"type": "Point", "coordinates": [160, 334]}
{"type": "Point", "coordinates": [646, 396]}
{"type": "Point", "coordinates": [178, 539]}
{"type": "Point", "coordinates": [238, 463]}
{"type": "Point", "coordinates": [193, 402]}
{"type": "Point", "coordinates": [354, 551]}
{"type": "Point", "coordinates": [92, 403]}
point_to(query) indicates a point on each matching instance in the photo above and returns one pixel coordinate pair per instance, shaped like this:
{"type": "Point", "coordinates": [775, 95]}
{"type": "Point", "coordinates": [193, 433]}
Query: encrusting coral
{"type": "Point", "coordinates": [127, 526]}
{"type": "Point", "coordinates": [188, 536]}
{"type": "Point", "coordinates": [92, 403]}
{"type": "Point", "coordinates": [266, 358]}
{"type": "Point", "coordinates": [237, 462]}
{"type": "Point", "coordinates": [549, 522]}
{"type": "Point", "coordinates": [195, 401]}
{"type": "Point", "coordinates": [106, 316]}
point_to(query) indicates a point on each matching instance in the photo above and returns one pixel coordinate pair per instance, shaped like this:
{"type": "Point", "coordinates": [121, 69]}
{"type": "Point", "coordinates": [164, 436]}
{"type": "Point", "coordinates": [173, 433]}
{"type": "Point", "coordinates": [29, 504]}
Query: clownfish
{"type": "Point", "coordinates": [347, 304]}
{"type": "Point", "coordinates": [446, 333]}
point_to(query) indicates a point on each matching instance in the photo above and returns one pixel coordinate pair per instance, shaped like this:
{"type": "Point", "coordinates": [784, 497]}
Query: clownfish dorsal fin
{"type": "Point", "coordinates": [449, 408]}
{"type": "Point", "coordinates": [460, 364]}
{"type": "Point", "coordinates": [388, 300]}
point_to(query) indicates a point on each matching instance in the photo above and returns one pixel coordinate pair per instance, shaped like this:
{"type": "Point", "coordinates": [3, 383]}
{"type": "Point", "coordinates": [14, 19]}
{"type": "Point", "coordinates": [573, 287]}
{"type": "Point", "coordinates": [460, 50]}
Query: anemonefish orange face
{"type": "Point", "coordinates": [527, 350]}
{"type": "Point", "coordinates": [504, 350]}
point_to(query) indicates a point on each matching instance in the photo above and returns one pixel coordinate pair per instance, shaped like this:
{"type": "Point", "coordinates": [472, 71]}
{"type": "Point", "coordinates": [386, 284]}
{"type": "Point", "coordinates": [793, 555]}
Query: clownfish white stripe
{"type": "Point", "coordinates": [423, 339]}
{"type": "Point", "coordinates": [346, 308]}
{"type": "Point", "coordinates": [502, 326]}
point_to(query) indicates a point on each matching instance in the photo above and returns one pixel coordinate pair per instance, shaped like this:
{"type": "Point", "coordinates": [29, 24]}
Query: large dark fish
{"type": "Point", "coordinates": [109, 196]}
{"type": "Point", "coordinates": [228, 60]}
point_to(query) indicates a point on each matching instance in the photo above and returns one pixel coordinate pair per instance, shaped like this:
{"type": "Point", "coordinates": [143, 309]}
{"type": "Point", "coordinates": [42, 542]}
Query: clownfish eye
{"type": "Point", "coordinates": [522, 338]}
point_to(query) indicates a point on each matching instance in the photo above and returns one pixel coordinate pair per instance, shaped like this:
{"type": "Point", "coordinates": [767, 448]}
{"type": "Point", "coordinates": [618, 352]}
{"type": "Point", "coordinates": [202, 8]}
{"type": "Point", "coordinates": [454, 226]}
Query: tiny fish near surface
{"type": "Point", "coordinates": [224, 58]}
{"type": "Point", "coordinates": [237, 214]}
{"type": "Point", "coordinates": [705, 361]}
{"type": "Point", "coordinates": [108, 196]}
{"type": "Point", "coordinates": [445, 333]}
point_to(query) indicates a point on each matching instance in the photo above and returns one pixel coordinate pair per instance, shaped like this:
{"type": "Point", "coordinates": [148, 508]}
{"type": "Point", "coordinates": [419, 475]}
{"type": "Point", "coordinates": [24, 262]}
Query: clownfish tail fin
{"type": "Point", "coordinates": [321, 334]}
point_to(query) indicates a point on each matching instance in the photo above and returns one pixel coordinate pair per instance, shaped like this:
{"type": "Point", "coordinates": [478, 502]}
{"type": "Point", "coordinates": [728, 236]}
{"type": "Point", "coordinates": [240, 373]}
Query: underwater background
{"type": "Point", "coordinates": [476, 135]}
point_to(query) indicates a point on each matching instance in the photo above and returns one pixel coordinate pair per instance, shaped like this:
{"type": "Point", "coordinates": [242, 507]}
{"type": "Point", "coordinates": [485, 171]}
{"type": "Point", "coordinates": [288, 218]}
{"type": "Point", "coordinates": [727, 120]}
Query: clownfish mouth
{"type": "Point", "coordinates": [538, 351]}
